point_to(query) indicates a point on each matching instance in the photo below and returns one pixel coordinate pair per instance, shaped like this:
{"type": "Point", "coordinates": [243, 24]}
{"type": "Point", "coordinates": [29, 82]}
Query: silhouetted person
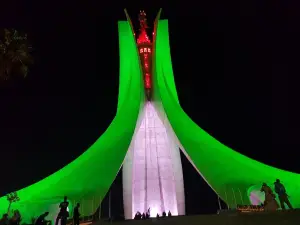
{"type": "Point", "coordinates": [157, 216]}
{"type": "Point", "coordinates": [63, 213]}
{"type": "Point", "coordinates": [148, 214]}
{"type": "Point", "coordinates": [41, 220]}
{"type": "Point", "coordinates": [16, 218]}
{"type": "Point", "coordinates": [4, 220]}
{"type": "Point", "coordinates": [169, 214]}
{"type": "Point", "coordinates": [137, 216]}
{"type": "Point", "coordinates": [164, 214]}
{"type": "Point", "coordinates": [282, 195]}
{"type": "Point", "coordinates": [143, 216]}
{"type": "Point", "coordinates": [76, 214]}
{"type": "Point", "coordinates": [270, 203]}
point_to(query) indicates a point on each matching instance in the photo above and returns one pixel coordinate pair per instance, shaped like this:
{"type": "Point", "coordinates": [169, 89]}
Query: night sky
{"type": "Point", "coordinates": [236, 71]}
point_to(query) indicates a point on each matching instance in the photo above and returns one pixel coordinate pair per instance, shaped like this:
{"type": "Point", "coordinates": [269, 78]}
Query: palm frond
{"type": "Point", "coordinates": [15, 54]}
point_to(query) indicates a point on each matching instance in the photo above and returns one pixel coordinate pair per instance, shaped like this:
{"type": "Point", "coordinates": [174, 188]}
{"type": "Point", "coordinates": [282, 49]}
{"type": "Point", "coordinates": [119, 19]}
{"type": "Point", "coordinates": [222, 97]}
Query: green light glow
{"type": "Point", "coordinates": [232, 175]}
{"type": "Point", "coordinates": [90, 176]}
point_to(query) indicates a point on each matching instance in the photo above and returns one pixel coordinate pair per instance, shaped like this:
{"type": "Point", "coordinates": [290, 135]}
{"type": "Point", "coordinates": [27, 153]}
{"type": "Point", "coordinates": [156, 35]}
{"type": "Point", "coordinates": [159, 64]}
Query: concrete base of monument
{"type": "Point", "coordinates": [288, 217]}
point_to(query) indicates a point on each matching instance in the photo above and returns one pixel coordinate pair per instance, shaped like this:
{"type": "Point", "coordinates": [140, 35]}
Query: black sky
{"type": "Point", "coordinates": [236, 71]}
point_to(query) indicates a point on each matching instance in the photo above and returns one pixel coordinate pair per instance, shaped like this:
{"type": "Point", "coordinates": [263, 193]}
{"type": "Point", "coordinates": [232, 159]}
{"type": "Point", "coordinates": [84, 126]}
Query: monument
{"type": "Point", "coordinates": [145, 137]}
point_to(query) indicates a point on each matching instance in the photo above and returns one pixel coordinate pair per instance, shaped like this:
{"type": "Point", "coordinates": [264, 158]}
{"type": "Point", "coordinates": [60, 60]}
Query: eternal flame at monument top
{"type": "Point", "coordinates": [145, 137]}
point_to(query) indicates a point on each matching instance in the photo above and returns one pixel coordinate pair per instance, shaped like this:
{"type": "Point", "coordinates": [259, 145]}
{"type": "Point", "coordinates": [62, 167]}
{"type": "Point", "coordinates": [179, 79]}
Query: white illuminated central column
{"type": "Point", "coordinates": [152, 171]}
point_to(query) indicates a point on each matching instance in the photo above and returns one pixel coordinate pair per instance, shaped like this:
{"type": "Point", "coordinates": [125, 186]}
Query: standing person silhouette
{"type": "Point", "coordinates": [282, 195]}
{"type": "Point", "coordinates": [76, 214]}
{"type": "Point", "coordinates": [63, 213]}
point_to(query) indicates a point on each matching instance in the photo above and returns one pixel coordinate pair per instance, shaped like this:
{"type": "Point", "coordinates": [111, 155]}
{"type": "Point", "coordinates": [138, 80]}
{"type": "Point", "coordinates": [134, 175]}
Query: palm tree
{"type": "Point", "coordinates": [15, 55]}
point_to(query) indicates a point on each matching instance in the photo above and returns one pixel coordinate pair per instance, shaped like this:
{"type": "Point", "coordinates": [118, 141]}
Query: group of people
{"type": "Point", "coordinates": [164, 214]}
{"type": "Point", "coordinates": [41, 220]}
{"type": "Point", "coordinates": [144, 216]}
{"type": "Point", "coordinates": [14, 220]}
{"type": "Point", "coordinates": [64, 213]}
{"type": "Point", "coordinates": [270, 202]}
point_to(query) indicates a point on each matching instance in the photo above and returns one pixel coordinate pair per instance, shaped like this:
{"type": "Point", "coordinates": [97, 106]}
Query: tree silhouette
{"type": "Point", "coordinates": [15, 56]}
